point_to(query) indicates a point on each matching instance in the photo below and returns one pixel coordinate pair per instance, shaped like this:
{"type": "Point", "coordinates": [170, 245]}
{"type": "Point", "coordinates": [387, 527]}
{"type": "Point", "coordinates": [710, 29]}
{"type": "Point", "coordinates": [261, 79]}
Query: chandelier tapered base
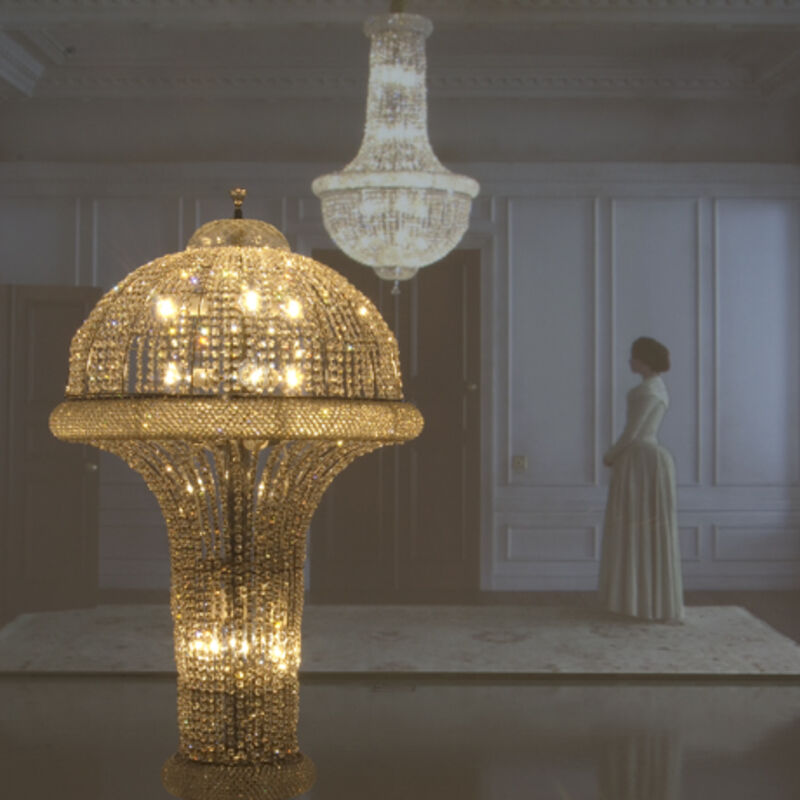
{"type": "Point", "coordinates": [194, 780]}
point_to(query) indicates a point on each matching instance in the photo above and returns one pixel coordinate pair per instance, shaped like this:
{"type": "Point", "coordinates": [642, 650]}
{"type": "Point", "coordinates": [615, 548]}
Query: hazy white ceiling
{"type": "Point", "coordinates": [202, 65]}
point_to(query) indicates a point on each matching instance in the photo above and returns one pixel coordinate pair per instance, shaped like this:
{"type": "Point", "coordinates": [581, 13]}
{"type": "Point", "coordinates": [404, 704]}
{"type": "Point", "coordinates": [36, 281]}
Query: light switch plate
{"type": "Point", "coordinates": [519, 464]}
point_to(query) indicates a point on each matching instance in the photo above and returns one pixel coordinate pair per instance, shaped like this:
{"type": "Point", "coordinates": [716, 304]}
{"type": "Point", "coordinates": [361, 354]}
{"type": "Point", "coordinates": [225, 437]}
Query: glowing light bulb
{"type": "Point", "coordinates": [202, 378]}
{"type": "Point", "coordinates": [202, 339]}
{"type": "Point", "coordinates": [250, 301]}
{"type": "Point", "coordinates": [166, 308]}
{"type": "Point", "coordinates": [172, 375]}
{"type": "Point", "coordinates": [252, 375]}
{"type": "Point", "coordinates": [294, 309]}
{"type": "Point", "coordinates": [363, 311]}
{"type": "Point", "coordinates": [278, 652]}
{"type": "Point", "coordinates": [293, 377]}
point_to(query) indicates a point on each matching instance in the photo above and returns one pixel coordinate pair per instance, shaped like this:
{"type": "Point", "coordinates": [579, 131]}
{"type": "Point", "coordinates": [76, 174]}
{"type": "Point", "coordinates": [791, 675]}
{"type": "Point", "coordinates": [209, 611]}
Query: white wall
{"type": "Point", "coordinates": [578, 261]}
{"type": "Point", "coordinates": [707, 261]}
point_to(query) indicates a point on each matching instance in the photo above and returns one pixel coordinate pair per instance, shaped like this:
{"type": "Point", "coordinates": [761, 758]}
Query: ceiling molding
{"type": "Point", "coordinates": [17, 14]}
{"type": "Point", "coordinates": [119, 179]}
{"type": "Point", "coordinates": [161, 82]}
{"type": "Point", "coordinates": [593, 80]}
{"type": "Point", "coordinates": [589, 80]}
{"type": "Point", "coordinates": [17, 66]}
{"type": "Point", "coordinates": [782, 80]}
{"type": "Point", "coordinates": [47, 44]}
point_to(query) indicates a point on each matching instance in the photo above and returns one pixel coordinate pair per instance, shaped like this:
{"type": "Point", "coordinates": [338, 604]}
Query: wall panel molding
{"type": "Point", "coordinates": [690, 536]}
{"type": "Point", "coordinates": [552, 393]}
{"type": "Point", "coordinates": [596, 261]}
{"type": "Point", "coordinates": [546, 543]}
{"type": "Point", "coordinates": [702, 234]}
{"type": "Point", "coordinates": [700, 237]}
{"type": "Point", "coordinates": [757, 543]}
{"type": "Point", "coordinates": [507, 343]}
{"type": "Point", "coordinates": [655, 292]}
{"type": "Point", "coordinates": [696, 500]}
{"type": "Point", "coordinates": [494, 272]}
{"type": "Point", "coordinates": [757, 343]}
{"type": "Point", "coordinates": [612, 317]}
{"type": "Point", "coordinates": [715, 317]}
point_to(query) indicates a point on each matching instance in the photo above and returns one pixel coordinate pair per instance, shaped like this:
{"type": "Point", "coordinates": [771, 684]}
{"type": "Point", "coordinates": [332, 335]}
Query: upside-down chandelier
{"type": "Point", "coordinates": [238, 378]}
{"type": "Point", "coordinates": [395, 207]}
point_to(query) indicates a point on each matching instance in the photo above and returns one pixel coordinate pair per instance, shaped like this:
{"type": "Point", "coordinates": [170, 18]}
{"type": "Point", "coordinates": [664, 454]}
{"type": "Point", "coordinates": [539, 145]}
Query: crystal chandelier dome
{"type": "Point", "coordinates": [235, 314]}
{"type": "Point", "coordinates": [395, 207]}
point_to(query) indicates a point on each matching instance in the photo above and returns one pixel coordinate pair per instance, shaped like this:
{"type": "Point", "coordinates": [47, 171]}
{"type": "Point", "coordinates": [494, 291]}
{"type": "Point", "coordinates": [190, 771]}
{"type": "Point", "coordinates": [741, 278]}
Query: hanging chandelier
{"type": "Point", "coordinates": [395, 207]}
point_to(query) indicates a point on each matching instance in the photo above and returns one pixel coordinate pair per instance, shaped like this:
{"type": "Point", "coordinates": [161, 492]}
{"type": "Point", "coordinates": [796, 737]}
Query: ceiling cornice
{"type": "Point", "coordinates": [47, 44]}
{"type": "Point", "coordinates": [16, 14]}
{"type": "Point", "coordinates": [593, 79]}
{"type": "Point", "coordinates": [781, 80]}
{"type": "Point", "coordinates": [547, 81]}
{"type": "Point", "coordinates": [17, 66]}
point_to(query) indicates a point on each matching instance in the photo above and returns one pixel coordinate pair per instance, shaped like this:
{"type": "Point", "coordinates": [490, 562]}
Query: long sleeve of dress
{"type": "Point", "coordinates": [641, 405]}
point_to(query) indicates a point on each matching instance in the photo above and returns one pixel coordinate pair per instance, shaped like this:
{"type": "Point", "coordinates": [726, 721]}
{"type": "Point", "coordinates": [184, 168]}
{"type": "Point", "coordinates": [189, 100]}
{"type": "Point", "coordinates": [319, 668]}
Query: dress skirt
{"type": "Point", "coordinates": [640, 566]}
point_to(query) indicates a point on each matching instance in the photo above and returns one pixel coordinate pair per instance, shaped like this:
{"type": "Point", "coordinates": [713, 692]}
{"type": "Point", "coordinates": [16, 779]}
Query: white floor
{"type": "Point", "coordinates": [450, 640]}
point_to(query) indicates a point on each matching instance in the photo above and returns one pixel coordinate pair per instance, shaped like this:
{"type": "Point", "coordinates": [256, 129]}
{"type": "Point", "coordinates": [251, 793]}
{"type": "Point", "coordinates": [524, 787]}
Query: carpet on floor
{"type": "Point", "coordinates": [493, 640]}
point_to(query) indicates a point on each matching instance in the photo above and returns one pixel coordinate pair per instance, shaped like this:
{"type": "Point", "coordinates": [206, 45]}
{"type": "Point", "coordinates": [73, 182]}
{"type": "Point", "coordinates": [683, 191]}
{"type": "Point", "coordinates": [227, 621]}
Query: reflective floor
{"type": "Point", "coordinates": [83, 738]}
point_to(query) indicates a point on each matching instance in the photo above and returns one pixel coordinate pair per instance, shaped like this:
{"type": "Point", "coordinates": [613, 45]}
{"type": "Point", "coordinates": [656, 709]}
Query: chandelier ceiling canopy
{"type": "Point", "coordinates": [395, 207]}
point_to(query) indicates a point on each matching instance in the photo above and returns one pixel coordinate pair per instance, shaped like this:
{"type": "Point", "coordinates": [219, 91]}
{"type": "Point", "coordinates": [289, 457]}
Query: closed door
{"type": "Point", "coordinates": [402, 524]}
{"type": "Point", "coordinates": [49, 538]}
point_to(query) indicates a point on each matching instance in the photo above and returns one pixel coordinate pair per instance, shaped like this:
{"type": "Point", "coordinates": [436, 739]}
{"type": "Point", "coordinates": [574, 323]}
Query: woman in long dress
{"type": "Point", "coordinates": [640, 567]}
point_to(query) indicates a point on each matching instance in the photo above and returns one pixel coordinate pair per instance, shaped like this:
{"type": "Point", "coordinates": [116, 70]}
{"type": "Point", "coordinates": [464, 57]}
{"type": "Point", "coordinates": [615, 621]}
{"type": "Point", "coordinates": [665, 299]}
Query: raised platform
{"type": "Point", "coordinates": [449, 640]}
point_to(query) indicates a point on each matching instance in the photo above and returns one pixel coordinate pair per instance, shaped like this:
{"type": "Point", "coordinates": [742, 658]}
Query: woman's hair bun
{"type": "Point", "coordinates": [651, 352]}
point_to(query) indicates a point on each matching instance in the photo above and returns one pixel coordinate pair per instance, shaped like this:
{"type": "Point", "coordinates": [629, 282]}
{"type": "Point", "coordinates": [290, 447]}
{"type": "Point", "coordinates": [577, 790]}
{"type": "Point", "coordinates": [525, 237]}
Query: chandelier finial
{"type": "Point", "coordinates": [238, 195]}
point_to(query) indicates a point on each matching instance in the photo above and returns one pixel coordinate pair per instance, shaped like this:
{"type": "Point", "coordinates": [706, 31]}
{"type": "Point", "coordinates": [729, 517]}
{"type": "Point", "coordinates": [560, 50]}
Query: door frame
{"type": "Point", "coordinates": [16, 300]}
{"type": "Point", "coordinates": [310, 235]}
{"type": "Point", "coordinates": [7, 605]}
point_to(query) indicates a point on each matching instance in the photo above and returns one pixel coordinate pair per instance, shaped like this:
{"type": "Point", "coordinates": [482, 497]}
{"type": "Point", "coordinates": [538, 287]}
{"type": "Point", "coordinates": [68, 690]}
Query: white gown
{"type": "Point", "coordinates": [640, 567]}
